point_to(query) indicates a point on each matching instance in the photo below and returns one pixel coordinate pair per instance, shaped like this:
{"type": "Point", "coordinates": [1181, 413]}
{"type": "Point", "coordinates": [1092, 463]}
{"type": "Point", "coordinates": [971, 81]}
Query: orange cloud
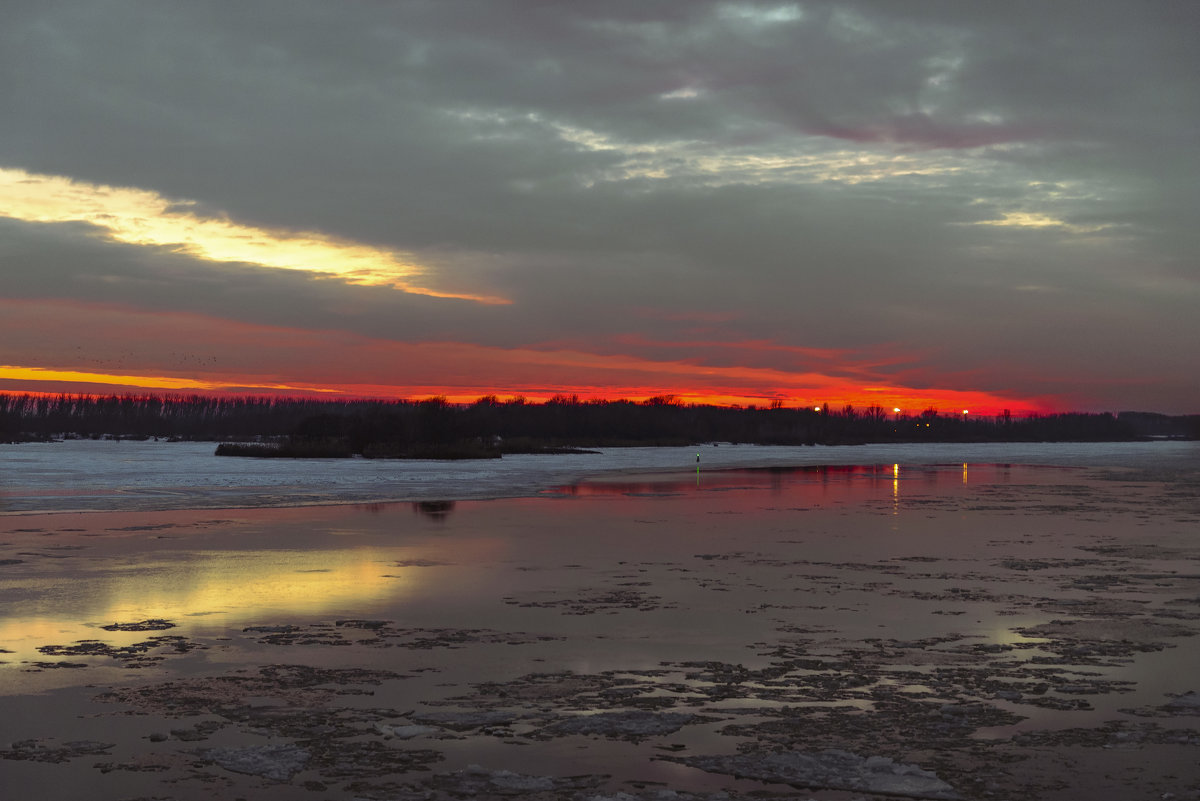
{"type": "Point", "coordinates": [130, 350]}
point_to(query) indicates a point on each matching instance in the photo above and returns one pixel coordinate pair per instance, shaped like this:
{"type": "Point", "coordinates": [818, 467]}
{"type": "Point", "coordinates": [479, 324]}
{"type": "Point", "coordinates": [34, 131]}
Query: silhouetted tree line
{"type": "Point", "coordinates": [489, 426]}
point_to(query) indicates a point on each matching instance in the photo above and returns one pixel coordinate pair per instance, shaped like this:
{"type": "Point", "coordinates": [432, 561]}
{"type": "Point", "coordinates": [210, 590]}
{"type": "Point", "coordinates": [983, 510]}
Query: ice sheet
{"type": "Point", "coordinates": [110, 476]}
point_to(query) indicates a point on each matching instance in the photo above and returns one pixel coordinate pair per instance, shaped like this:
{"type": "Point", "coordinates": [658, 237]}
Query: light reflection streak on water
{"type": "Point", "coordinates": [203, 591]}
{"type": "Point", "coordinates": [895, 489]}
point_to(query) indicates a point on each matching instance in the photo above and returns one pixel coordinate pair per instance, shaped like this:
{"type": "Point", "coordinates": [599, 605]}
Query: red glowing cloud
{"type": "Point", "coordinates": [133, 350]}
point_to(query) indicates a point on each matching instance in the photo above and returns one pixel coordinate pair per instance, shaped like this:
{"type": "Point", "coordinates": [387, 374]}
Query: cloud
{"type": "Point", "coordinates": [177, 352]}
{"type": "Point", "coordinates": [973, 187]}
{"type": "Point", "coordinates": [141, 217]}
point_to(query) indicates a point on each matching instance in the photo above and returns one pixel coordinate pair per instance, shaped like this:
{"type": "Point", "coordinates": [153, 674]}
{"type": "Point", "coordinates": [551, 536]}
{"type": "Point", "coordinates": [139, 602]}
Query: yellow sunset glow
{"type": "Point", "coordinates": [1022, 219]}
{"type": "Point", "coordinates": [157, 382]}
{"type": "Point", "coordinates": [256, 584]}
{"type": "Point", "coordinates": [700, 385]}
{"type": "Point", "coordinates": [15, 373]}
{"type": "Point", "coordinates": [218, 589]}
{"type": "Point", "coordinates": [142, 217]}
{"type": "Point", "coordinates": [1025, 219]}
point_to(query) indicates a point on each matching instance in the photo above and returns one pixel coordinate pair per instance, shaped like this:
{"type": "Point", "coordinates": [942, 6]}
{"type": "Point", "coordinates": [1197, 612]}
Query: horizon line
{"type": "Point", "coordinates": [544, 399]}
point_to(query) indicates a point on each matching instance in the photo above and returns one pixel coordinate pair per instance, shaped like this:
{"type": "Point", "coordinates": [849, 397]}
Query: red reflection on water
{"type": "Point", "coordinates": [811, 485]}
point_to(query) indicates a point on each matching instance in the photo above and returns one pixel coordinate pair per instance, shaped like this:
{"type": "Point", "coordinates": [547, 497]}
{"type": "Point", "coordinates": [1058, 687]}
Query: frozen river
{"type": "Point", "coordinates": [87, 475]}
{"type": "Point", "coordinates": [939, 621]}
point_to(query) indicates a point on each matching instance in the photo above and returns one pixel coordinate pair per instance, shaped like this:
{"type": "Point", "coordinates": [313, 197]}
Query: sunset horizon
{"type": "Point", "coordinates": [731, 203]}
{"type": "Point", "coordinates": [895, 400]}
{"type": "Point", "coordinates": [708, 400]}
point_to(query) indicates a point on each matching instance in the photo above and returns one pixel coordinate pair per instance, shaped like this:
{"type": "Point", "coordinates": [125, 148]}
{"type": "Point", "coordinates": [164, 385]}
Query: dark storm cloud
{"type": "Point", "coordinates": [824, 173]}
{"type": "Point", "coordinates": [311, 114]}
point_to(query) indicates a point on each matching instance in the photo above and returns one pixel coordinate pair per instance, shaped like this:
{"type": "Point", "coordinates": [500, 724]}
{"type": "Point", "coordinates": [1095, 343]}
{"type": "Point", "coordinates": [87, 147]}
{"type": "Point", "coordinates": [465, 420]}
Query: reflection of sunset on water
{"type": "Point", "coordinates": [813, 485]}
{"type": "Point", "coordinates": [265, 581]}
{"type": "Point", "coordinates": [895, 489]}
{"type": "Point", "coordinates": [212, 591]}
{"type": "Point", "coordinates": [976, 587]}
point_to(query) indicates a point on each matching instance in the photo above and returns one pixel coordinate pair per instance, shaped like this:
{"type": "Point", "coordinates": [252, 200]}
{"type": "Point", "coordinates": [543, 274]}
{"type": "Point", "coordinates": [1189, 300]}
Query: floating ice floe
{"type": "Point", "coordinates": [463, 721]}
{"type": "Point", "coordinates": [832, 770]}
{"type": "Point", "coordinates": [155, 624]}
{"type": "Point", "coordinates": [623, 724]}
{"type": "Point", "coordinates": [477, 781]}
{"type": "Point", "coordinates": [405, 732]}
{"type": "Point", "coordinates": [659, 794]}
{"type": "Point", "coordinates": [47, 751]}
{"type": "Point", "coordinates": [1188, 702]}
{"type": "Point", "coordinates": [278, 762]}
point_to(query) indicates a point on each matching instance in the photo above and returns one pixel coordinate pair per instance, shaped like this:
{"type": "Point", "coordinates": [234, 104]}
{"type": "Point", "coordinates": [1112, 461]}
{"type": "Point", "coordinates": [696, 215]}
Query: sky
{"type": "Point", "coordinates": [909, 203]}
